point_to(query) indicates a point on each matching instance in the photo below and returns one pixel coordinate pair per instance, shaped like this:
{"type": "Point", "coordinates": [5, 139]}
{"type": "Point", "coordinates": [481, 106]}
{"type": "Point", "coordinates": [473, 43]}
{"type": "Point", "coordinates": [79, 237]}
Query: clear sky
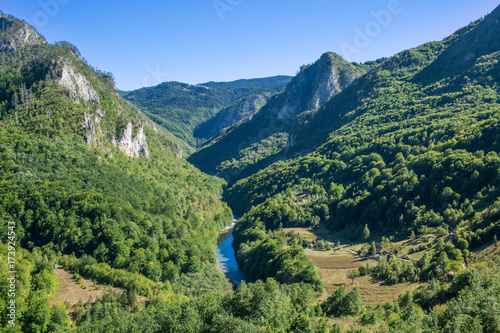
{"type": "Point", "coordinates": [144, 43]}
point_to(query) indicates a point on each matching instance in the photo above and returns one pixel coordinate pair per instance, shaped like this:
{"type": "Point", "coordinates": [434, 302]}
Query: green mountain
{"type": "Point", "coordinates": [192, 112]}
{"type": "Point", "coordinates": [274, 82]}
{"type": "Point", "coordinates": [241, 109]}
{"type": "Point", "coordinates": [403, 147]}
{"type": "Point", "coordinates": [410, 147]}
{"type": "Point", "coordinates": [263, 139]}
{"type": "Point", "coordinates": [83, 173]}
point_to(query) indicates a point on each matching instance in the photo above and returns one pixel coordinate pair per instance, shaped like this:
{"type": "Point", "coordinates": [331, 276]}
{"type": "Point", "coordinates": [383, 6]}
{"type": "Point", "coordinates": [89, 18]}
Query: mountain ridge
{"type": "Point", "coordinates": [89, 180]}
{"type": "Point", "coordinates": [263, 138]}
{"type": "Point", "coordinates": [191, 112]}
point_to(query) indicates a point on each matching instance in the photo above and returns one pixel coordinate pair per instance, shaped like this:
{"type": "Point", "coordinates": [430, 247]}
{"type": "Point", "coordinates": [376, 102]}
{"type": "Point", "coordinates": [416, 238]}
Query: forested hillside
{"type": "Point", "coordinates": [258, 142]}
{"type": "Point", "coordinates": [84, 173]}
{"type": "Point", "coordinates": [409, 149]}
{"type": "Point", "coordinates": [196, 113]}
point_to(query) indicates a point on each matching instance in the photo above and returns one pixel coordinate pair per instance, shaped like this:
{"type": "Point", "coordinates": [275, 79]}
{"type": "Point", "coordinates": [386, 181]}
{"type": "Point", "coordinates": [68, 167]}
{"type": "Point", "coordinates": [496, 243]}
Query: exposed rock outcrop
{"type": "Point", "coordinates": [22, 34]}
{"type": "Point", "coordinates": [315, 85]}
{"type": "Point", "coordinates": [92, 126]}
{"type": "Point", "coordinates": [77, 84]}
{"type": "Point", "coordinates": [132, 147]}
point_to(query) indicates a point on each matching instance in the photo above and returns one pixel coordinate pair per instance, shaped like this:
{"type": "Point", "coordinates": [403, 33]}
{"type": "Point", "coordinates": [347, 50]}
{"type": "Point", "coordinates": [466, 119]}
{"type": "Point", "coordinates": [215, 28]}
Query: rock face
{"type": "Point", "coordinates": [132, 147]}
{"type": "Point", "coordinates": [77, 84]}
{"type": "Point", "coordinates": [179, 151]}
{"type": "Point", "coordinates": [92, 134]}
{"type": "Point", "coordinates": [21, 34]}
{"type": "Point", "coordinates": [315, 85]}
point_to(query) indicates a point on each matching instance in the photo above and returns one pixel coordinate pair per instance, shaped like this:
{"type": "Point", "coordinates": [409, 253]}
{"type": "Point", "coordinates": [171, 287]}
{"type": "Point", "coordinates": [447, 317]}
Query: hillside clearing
{"type": "Point", "coordinates": [72, 292]}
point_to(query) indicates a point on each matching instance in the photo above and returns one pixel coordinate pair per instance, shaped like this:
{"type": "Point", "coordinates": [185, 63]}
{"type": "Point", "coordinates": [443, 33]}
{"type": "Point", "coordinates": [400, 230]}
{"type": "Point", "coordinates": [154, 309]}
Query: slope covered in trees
{"type": "Point", "coordinates": [405, 151]}
{"type": "Point", "coordinates": [84, 173]}
{"type": "Point", "coordinates": [263, 139]}
{"type": "Point", "coordinates": [195, 113]}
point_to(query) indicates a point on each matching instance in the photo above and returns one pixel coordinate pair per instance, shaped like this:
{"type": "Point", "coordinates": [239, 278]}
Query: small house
{"type": "Point", "coordinates": [302, 198]}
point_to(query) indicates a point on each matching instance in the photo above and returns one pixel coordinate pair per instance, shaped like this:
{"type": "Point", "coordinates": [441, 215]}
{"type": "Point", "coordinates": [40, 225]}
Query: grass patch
{"type": "Point", "coordinates": [73, 288]}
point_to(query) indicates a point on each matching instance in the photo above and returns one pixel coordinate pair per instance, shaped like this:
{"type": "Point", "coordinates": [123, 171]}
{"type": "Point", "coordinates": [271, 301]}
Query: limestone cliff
{"type": "Point", "coordinates": [315, 85]}
{"type": "Point", "coordinates": [16, 34]}
{"type": "Point", "coordinates": [77, 84]}
{"type": "Point", "coordinates": [130, 146]}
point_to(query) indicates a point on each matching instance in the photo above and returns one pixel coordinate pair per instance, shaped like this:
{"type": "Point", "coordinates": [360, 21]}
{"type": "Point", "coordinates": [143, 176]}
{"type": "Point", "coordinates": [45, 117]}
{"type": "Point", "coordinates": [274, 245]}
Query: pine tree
{"type": "Point", "coordinates": [352, 305]}
{"type": "Point", "coordinates": [16, 108]}
{"type": "Point", "coordinates": [366, 232]}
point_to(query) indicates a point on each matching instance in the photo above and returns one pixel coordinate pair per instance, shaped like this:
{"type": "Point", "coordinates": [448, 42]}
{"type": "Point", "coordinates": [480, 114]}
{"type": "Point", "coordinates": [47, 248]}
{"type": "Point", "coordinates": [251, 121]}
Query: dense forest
{"type": "Point", "coordinates": [396, 149]}
{"type": "Point", "coordinates": [414, 153]}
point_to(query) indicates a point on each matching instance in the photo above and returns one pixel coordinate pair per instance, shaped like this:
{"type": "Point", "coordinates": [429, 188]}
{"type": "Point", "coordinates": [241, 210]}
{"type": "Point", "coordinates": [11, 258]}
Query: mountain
{"type": "Point", "coordinates": [84, 174]}
{"type": "Point", "coordinates": [407, 150]}
{"type": "Point", "coordinates": [403, 147]}
{"type": "Point", "coordinates": [189, 111]}
{"type": "Point", "coordinates": [261, 140]}
{"type": "Point", "coordinates": [448, 62]}
{"type": "Point", "coordinates": [273, 82]}
{"type": "Point", "coordinates": [241, 109]}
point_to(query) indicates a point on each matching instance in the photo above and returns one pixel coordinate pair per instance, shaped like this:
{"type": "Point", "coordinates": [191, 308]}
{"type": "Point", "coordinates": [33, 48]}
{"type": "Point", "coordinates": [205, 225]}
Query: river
{"type": "Point", "coordinates": [226, 258]}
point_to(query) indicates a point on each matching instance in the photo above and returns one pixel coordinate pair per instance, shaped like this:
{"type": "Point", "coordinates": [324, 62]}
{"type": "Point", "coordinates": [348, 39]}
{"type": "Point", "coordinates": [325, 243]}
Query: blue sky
{"type": "Point", "coordinates": [194, 41]}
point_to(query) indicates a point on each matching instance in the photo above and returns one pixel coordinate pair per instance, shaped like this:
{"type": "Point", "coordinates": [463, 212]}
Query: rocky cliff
{"type": "Point", "coordinates": [67, 88]}
{"type": "Point", "coordinates": [16, 34]}
{"type": "Point", "coordinates": [315, 85]}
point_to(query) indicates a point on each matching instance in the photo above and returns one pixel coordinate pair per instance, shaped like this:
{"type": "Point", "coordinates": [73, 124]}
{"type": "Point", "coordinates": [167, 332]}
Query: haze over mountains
{"type": "Point", "coordinates": [398, 154]}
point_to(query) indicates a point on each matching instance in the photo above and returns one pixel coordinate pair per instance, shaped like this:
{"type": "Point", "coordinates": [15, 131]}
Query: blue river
{"type": "Point", "coordinates": [226, 259]}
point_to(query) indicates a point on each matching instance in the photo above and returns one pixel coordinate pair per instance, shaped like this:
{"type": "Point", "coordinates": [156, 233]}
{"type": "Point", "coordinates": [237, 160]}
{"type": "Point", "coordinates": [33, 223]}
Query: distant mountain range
{"type": "Point", "coordinates": [196, 113]}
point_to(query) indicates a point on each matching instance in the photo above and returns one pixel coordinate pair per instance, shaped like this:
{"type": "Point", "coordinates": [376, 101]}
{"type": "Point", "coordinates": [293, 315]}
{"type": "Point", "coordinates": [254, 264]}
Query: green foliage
{"type": "Point", "coordinates": [196, 113]}
{"type": "Point", "coordinates": [403, 151]}
{"type": "Point", "coordinates": [36, 283]}
{"type": "Point", "coordinates": [366, 233]}
{"type": "Point", "coordinates": [341, 303]}
{"type": "Point", "coordinates": [395, 270]}
{"type": "Point", "coordinates": [250, 308]}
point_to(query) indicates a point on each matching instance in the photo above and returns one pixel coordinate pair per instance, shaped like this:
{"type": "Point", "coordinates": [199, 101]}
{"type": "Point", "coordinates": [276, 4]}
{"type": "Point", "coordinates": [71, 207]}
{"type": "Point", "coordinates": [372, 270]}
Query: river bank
{"type": "Point", "coordinates": [226, 257]}
{"type": "Point", "coordinates": [230, 227]}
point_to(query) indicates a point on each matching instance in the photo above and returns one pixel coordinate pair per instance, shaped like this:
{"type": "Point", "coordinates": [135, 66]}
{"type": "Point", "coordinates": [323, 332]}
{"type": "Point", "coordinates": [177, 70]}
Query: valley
{"type": "Point", "coordinates": [369, 194]}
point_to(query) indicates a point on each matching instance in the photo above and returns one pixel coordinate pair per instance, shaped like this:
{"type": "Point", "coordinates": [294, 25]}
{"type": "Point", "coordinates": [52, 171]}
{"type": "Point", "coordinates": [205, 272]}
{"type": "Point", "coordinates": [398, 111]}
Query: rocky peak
{"type": "Point", "coordinates": [315, 85]}
{"type": "Point", "coordinates": [16, 34]}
